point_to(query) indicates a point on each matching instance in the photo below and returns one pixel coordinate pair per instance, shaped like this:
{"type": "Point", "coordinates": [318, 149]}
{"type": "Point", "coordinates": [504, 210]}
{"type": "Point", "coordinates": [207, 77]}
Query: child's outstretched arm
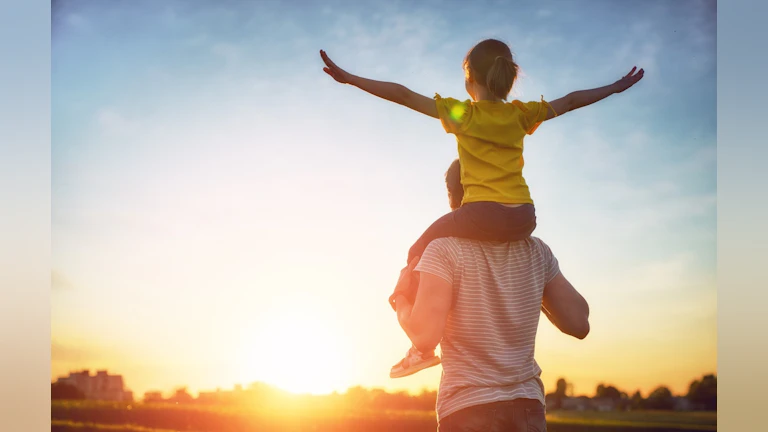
{"type": "Point", "coordinates": [386, 90]}
{"type": "Point", "coordinates": [583, 98]}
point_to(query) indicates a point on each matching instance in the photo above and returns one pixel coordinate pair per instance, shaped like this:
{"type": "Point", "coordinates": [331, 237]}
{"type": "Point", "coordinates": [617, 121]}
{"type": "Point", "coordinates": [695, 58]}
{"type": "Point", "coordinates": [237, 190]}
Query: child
{"type": "Point", "coordinates": [497, 205]}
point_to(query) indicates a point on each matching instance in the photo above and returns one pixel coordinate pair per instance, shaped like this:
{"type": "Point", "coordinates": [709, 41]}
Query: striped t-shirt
{"type": "Point", "coordinates": [490, 333]}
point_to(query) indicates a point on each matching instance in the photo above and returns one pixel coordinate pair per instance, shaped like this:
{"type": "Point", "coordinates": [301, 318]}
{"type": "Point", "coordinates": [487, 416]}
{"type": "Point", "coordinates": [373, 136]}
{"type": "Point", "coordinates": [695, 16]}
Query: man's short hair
{"type": "Point", "coordinates": [453, 183]}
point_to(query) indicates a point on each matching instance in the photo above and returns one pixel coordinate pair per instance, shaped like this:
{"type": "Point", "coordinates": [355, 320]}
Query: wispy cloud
{"type": "Point", "coordinates": [228, 52]}
{"type": "Point", "coordinates": [77, 21]}
{"type": "Point", "coordinates": [113, 123]}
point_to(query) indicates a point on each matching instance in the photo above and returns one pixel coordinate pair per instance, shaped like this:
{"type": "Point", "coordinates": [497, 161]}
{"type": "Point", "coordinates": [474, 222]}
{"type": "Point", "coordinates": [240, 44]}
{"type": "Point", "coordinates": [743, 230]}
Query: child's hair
{"type": "Point", "coordinates": [490, 62]}
{"type": "Point", "coordinates": [453, 183]}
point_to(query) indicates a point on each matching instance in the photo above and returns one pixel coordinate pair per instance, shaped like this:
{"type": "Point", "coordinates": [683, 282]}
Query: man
{"type": "Point", "coordinates": [481, 302]}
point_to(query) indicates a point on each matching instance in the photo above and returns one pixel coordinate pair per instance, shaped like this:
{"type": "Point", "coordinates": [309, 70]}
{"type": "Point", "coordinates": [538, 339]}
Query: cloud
{"type": "Point", "coordinates": [112, 122]}
{"type": "Point", "coordinates": [77, 21]}
{"type": "Point", "coordinates": [388, 36]}
{"type": "Point", "coordinates": [230, 53]}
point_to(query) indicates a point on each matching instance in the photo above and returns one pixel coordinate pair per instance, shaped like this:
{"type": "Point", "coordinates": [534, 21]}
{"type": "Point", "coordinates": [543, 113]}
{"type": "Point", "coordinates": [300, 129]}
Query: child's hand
{"type": "Point", "coordinates": [408, 277]}
{"type": "Point", "coordinates": [334, 71]}
{"type": "Point", "coordinates": [407, 284]}
{"type": "Point", "coordinates": [628, 80]}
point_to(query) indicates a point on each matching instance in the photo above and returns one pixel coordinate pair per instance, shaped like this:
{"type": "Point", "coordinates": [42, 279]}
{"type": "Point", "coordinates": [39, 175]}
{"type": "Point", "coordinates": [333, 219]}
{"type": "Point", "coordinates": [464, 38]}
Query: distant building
{"type": "Point", "coordinates": [603, 404]}
{"type": "Point", "coordinates": [254, 393]}
{"type": "Point", "coordinates": [581, 403]}
{"type": "Point", "coordinates": [153, 396]}
{"type": "Point", "coordinates": [101, 386]}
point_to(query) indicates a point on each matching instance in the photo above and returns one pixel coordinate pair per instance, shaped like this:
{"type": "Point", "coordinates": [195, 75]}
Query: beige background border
{"type": "Point", "coordinates": [25, 215]}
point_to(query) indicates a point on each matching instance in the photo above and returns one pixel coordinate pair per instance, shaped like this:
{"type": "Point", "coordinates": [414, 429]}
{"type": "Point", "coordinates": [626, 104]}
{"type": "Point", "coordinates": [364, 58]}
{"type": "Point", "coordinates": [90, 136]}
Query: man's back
{"type": "Point", "coordinates": [488, 342]}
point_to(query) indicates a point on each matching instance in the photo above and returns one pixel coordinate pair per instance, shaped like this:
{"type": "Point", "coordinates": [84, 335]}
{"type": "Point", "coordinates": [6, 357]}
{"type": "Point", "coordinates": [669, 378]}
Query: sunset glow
{"type": "Point", "coordinates": [296, 349]}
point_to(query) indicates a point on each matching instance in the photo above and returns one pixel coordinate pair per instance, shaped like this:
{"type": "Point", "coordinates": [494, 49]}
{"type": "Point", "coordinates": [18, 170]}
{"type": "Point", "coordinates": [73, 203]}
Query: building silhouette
{"type": "Point", "coordinates": [101, 386]}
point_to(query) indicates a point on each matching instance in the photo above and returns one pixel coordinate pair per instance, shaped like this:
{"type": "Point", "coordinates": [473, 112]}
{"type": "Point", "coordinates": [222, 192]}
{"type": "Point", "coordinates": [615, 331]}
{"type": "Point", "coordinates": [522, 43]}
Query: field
{"type": "Point", "coordinates": [121, 417]}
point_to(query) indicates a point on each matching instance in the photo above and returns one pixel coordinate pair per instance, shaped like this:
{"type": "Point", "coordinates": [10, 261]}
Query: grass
{"type": "Point", "coordinates": [90, 416]}
{"type": "Point", "coordinates": [65, 425]}
{"type": "Point", "coordinates": [683, 421]}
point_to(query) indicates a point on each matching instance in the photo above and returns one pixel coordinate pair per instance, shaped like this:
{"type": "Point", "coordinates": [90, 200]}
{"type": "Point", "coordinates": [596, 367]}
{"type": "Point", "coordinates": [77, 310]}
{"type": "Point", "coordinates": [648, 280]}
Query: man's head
{"type": "Point", "coordinates": [453, 183]}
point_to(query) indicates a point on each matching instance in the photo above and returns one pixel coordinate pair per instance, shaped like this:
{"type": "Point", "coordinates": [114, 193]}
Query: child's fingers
{"type": "Point", "coordinates": [328, 71]}
{"type": "Point", "coordinates": [331, 64]}
{"type": "Point", "coordinates": [332, 74]}
{"type": "Point", "coordinates": [327, 59]}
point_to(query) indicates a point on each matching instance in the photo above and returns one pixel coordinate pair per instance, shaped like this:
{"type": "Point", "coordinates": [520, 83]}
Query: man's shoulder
{"type": "Point", "coordinates": [444, 245]}
{"type": "Point", "coordinates": [477, 249]}
{"type": "Point", "coordinates": [530, 242]}
{"type": "Point", "coordinates": [538, 242]}
{"type": "Point", "coordinates": [458, 242]}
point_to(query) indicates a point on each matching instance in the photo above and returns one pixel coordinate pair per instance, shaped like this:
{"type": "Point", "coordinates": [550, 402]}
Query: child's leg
{"type": "Point", "coordinates": [496, 222]}
{"type": "Point", "coordinates": [486, 221]}
{"type": "Point", "coordinates": [452, 224]}
{"type": "Point", "coordinates": [413, 362]}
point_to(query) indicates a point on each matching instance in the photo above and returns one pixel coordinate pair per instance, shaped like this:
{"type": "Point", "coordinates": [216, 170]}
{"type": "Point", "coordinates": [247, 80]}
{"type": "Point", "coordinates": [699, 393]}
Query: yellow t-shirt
{"type": "Point", "coordinates": [490, 140]}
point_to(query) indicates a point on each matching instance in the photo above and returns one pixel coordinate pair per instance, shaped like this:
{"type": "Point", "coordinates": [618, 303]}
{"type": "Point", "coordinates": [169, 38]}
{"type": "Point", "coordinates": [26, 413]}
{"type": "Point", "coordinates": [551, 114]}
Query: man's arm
{"type": "Point", "coordinates": [386, 90]}
{"type": "Point", "coordinates": [424, 320]}
{"type": "Point", "coordinates": [582, 98]}
{"type": "Point", "coordinates": [565, 307]}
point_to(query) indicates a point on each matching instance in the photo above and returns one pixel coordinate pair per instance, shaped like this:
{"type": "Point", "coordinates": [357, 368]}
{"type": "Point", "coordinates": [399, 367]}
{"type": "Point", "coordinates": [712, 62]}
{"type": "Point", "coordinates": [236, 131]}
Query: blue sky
{"type": "Point", "coordinates": [207, 173]}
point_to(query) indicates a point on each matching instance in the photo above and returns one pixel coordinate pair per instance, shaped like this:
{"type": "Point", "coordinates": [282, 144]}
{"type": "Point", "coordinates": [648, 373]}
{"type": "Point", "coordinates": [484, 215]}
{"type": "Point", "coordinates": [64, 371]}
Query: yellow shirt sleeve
{"type": "Point", "coordinates": [533, 113]}
{"type": "Point", "coordinates": [454, 114]}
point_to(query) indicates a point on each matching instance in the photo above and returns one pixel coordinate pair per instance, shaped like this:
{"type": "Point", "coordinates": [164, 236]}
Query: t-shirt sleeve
{"type": "Point", "coordinates": [550, 261]}
{"type": "Point", "coordinates": [439, 259]}
{"type": "Point", "coordinates": [454, 114]}
{"type": "Point", "coordinates": [533, 114]}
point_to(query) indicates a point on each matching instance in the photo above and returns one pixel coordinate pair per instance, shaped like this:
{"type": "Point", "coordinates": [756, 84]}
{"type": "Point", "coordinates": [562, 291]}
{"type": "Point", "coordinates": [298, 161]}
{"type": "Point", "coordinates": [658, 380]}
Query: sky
{"type": "Point", "coordinates": [224, 212]}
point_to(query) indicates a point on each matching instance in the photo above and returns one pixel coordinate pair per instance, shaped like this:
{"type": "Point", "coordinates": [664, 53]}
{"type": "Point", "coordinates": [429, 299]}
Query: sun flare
{"type": "Point", "coordinates": [296, 349]}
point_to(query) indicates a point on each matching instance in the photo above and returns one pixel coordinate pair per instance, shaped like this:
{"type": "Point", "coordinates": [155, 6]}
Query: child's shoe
{"type": "Point", "coordinates": [413, 362]}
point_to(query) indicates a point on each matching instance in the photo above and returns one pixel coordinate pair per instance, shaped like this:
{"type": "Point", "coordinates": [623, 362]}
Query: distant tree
{"type": "Point", "coordinates": [660, 399]}
{"type": "Point", "coordinates": [425, 400]}
{"type": "Point", "coordinates": [181, 396]}
{"type": "Point", "coordinates": [561, 387]}
{"type": "Point", "coordinates": [636, 401]}
{"type": "Point", "coordinates": [555, 399]}
{"type": "Point", "coordinates": [62, 391]}
{"type": "Point", "coordinates": [608, 392]}
{"type": "Point", "coordinates": [624, 402]}
{"type": "Point", "coordinates": [357, 396]}
{"type": "Point", "coordinates": [704, 393]}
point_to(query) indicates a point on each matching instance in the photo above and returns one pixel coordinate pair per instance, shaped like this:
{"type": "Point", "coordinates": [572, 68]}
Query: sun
{"type": "Point", "coordinates": [295, 348]}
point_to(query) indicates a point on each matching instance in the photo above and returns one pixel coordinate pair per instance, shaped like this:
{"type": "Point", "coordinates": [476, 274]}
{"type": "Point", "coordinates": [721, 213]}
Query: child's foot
{"type": "Point", "coordinates": [413, 362]}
